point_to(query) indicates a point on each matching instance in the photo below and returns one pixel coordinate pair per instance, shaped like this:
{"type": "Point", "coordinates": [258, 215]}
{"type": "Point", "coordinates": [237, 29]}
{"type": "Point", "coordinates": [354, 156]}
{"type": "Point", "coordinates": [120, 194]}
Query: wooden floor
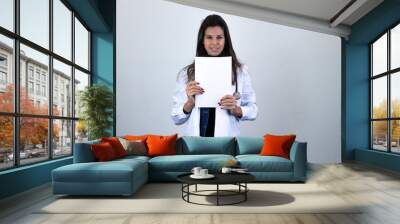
{"type": "Point", "coordinates": [377, 188]}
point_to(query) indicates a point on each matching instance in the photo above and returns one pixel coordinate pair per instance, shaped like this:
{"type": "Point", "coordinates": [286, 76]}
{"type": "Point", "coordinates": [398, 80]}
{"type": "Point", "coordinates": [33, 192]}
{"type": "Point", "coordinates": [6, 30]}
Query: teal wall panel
{"type": "Point", "coordinates": [357, 99]}
{"type": "Point", "coordinates": [381, 159]}
{"type": "Point", "coordinates": [103, 63]}
{"type": "Point", "coordinates": [102, 58]}
{"type": "Point", "coordinates": [24, 178]}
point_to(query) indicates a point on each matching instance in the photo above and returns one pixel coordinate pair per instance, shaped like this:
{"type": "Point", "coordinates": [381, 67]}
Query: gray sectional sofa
{"type": "Point", "coordinates": [125, 176]}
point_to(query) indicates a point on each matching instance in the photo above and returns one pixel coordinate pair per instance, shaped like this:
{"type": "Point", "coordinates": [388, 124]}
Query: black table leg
{"type": "Point", "coordinates": [188, 190]}
{"type": "Point", "coordinates": [182, 190]}
{"type": "Point", "coordinates": [217, 194]}
{"type": "Point", "coordinates": [245, 193]}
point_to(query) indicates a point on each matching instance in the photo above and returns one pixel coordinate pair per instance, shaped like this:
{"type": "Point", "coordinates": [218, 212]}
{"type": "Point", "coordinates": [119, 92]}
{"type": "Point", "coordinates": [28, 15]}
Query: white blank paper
{"type": "Point", "coordinates": [215, 76]}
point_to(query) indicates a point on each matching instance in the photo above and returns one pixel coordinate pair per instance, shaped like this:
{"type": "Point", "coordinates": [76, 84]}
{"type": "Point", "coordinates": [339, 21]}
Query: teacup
{"type": "Point", "coordinates": [203, 172]}
{"type": "Point", "coordinates": [196, 170]}
{"type": "Point", "coordinates": [226, 170]}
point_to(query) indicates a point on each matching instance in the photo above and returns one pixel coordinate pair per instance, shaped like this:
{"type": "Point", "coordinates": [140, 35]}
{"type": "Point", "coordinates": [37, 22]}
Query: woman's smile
{"type": "Point", "coordinates": [214, 40]}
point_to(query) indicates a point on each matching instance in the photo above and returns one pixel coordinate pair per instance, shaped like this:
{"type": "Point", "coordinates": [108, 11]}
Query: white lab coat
{"type": "Point", "coordinates": [225, 124]}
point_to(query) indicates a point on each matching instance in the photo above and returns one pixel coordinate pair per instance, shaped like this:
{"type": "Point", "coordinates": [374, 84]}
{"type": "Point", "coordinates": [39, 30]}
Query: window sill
{"type": "Point", "coordinates": [26, 167]}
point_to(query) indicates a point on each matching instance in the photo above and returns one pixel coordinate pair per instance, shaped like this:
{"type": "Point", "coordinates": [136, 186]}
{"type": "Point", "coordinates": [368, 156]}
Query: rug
{"type": "Point", "coordinates": [167, 198]}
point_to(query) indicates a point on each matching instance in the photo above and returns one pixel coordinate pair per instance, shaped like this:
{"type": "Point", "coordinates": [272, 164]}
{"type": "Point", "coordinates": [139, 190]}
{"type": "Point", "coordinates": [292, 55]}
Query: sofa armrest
{"type": "Point", "coordinates": [83, 152]}
{"type": "Point", "coordinates": [298, 155]}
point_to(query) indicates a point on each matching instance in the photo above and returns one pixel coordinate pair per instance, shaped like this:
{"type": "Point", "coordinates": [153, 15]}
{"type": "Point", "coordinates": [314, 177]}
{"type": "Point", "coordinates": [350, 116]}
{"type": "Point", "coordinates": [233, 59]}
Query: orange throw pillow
{"type": "Point", "coordinates": [136, 137]}
{"type": "Point", "coordinates": [103, 151]}
{"type": "Point", "coordinates": [277, 145]}
{"type": "Point", "coordinates": [116, 145]}
{"type": "Point", "coordinates": [161, 145]}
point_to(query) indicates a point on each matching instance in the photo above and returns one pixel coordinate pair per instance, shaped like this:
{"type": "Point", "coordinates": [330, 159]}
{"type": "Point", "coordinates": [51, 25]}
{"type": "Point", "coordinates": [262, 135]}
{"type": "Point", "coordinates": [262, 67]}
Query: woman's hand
{"type": "Point", "coordinates": [228, 102]}
{"type": "Point", "coordinates": [192, 89]}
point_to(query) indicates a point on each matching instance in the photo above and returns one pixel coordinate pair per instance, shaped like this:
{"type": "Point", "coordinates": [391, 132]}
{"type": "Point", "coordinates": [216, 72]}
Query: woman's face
{"type": "Point", "coordinates": [214, 40]}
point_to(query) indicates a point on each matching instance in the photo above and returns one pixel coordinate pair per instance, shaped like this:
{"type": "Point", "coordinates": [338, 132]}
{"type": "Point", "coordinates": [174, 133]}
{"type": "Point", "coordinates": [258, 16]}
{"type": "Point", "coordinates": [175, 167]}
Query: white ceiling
{"type": "Point", "coordinates": [319, 9]}
{"type": "Point", "coordinates": [314, 15]}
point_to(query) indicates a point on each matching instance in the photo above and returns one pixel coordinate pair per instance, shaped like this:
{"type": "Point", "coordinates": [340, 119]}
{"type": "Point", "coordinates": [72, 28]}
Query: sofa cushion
{"type": "Point", "coordinates": [116, 145]}
{"type": "Point", "coordinates": [193, 145]}
{"type": "Point", "coordinates": [275, 145]}
{"type": "Point", "coordinates": [111, 171]}
{"type": "Point", "coordinates": [131, 158]}
{"type": "Point", "coordinates": [257, 163]}
{"type": "Point", "coordinates": [135, 147]}
{"type": "Point", "coordinates": [185, 163]}
{"type": "Point", "coordinates": [103, 152]}
{"type": "Point", "coordinates": [136, 137]}
{"type": "Point", "coordinates": [161, 145]}
{"type": "Point", "coordinates": [249, 145]}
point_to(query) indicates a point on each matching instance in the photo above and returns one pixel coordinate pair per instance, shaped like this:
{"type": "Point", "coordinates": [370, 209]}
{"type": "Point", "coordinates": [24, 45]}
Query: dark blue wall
{"type": "Point", "coordinates": [356, 89]}
{"type": "Point", "coordinates": [24, 178]}
{"type": "Point", "coordinates": [103, 63]}
{"type": "Point", "coordinates": [103, 51]}
{"type": "Point", "coordinates": [99, 15]}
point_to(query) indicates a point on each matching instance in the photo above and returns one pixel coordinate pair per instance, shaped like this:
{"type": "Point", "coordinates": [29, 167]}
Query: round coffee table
{"type": "Point", "coordinates": [238, 179]}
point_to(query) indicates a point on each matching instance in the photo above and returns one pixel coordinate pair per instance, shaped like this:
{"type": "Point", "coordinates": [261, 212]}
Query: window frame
{"type": "Point", "coordinates": [388, 74]}
{"type": "Point", "coordinates": [16, 114]}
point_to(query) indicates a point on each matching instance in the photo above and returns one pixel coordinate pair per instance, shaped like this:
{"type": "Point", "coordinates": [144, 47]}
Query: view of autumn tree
{"type": "Point", "coordinates": [380, 128]}
{"type": "Point", "coordinates": [81, 130]}
{"type": "Point", "coordinates": [33, 130]}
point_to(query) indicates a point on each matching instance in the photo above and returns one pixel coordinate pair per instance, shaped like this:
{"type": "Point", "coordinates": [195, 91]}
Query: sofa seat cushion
{"type": "Point", "coordinates": [185, 163]}
{"type": "Point", "coordinates": [111, 171]}
{"type": "Point", "coordinates": [257, 163]}
{"type": "Point", "coordinates": [133, 158]}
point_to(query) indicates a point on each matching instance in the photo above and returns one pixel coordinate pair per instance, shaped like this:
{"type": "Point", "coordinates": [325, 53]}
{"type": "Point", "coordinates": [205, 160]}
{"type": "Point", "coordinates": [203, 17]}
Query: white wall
{"type": "Point", "coordinates": [296, 73]}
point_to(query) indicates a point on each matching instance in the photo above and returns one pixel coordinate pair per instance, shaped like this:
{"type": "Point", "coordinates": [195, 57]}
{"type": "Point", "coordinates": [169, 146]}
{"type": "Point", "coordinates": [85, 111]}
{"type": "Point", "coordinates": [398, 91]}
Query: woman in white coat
{"type": "Point", "coordinates": [214, 41]}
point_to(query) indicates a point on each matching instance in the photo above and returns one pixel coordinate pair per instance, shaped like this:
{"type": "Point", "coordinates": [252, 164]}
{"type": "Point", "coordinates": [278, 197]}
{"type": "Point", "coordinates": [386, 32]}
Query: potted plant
{"type": "Point", "coordinates": [96, 102]}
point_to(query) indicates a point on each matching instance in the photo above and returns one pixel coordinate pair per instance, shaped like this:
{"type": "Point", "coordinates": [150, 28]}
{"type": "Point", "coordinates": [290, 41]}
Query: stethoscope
{"type": "Point", "coordinates": [236, 94]}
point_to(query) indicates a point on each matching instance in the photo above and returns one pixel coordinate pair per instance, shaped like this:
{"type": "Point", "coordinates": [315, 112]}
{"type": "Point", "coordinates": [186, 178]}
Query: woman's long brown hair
{"type": "Point", "coordinates": [212, 21]}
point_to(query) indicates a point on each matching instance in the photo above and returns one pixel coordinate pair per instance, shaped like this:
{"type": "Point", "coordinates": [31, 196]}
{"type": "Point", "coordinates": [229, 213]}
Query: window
{"type": "Point", "coordinates": [7, 14]}
{"type": "Point", "coordinates": [81, 81]}
{"type": "Point", "coordinates": [62, 140]}
{"type": "Point", "coordinates": [35, 21]}
{"type": "Point", "coordinates": [62, 29]}
{"type": "Point", "coordinates": [30, 72]}
{"type": "Point", "coordinates": [62, 75]}
{"type": "Point", "coordinates": [30, 87]}
{"type": "Point", "coordinates": [3, 78]}
{"type": "Point", "coordinates": [6, 73]}
{"type": "Point", "coordinates": [385, 91]}
{"type": "Point", "coordinates": [37, 75]}
{"type": "Point", "coordinates": [38, 89]}
{"type": "Point", "coordinates": [7, 142]}
{"type": "Point", "coordinates": [43, 90]}
{"type": "Point", "coordinates": [81, 45]}
{"type": "Point", "coordinates": [3, 73]}
{"type": "Point", "coordinates": [44, 131]}
{"type": "Point", "coordinates": [3, 61]}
